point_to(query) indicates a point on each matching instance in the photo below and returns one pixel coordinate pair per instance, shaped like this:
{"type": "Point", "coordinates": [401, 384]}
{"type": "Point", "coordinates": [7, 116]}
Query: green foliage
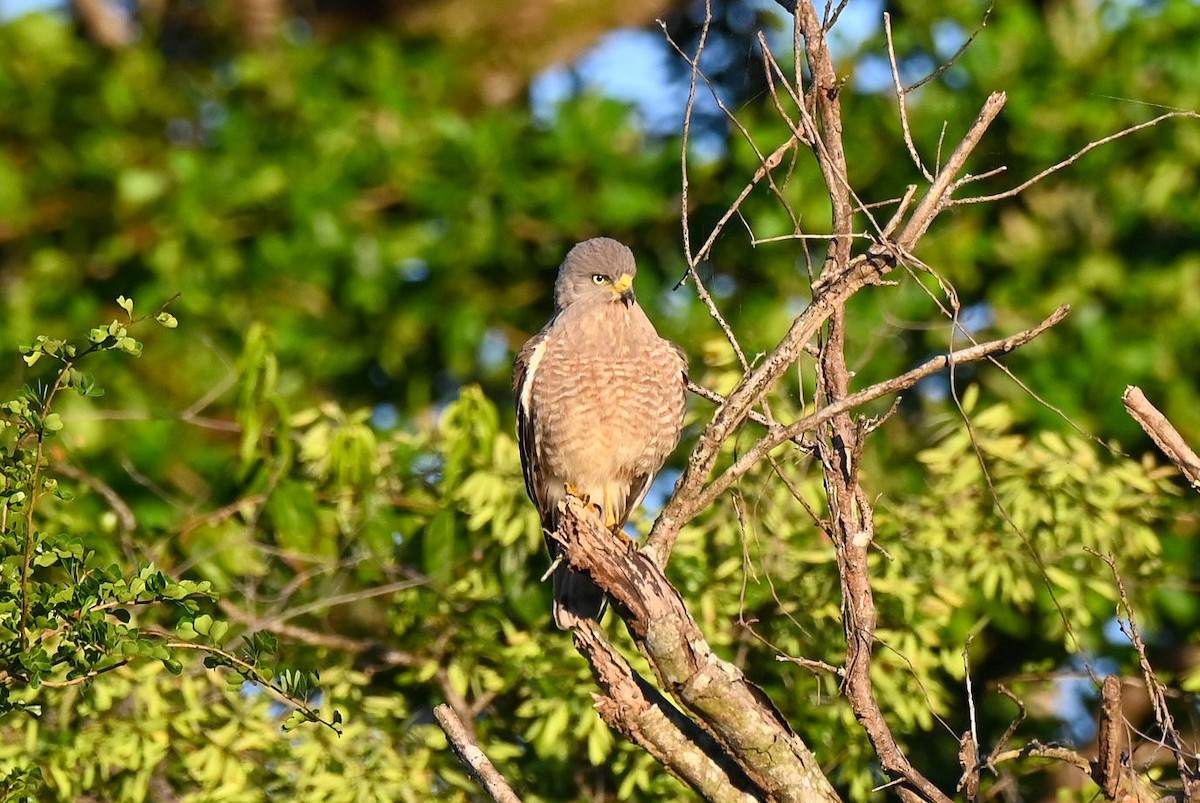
{"type": "Point", "coordinates": [977, 562]}
{"type": "Point", "coordinates": [67, 615]}
{"type": "Point", "coordinates": [357, 247]}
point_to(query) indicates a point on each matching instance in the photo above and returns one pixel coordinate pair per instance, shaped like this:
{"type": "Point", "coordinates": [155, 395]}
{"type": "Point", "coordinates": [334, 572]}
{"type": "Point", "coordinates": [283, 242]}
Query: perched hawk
{"type": "Point", "coordinates": [600, 403]}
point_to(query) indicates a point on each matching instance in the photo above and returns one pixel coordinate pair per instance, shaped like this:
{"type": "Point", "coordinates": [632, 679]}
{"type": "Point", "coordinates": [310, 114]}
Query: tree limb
{"type": "Point", "coordinates": [829, 293]}
{"type": "Point", "coordinates": [631, 706]}
{"type": "Point", "coordinates": [479, 765]}
{"type": "Point", "coordinates": [735, 711]}
{"type": "Point", "coordinates": [778, 435]}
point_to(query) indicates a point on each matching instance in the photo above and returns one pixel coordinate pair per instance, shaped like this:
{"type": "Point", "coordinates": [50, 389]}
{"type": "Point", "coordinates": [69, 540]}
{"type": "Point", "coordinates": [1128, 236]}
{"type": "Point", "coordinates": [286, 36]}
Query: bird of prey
{"type": "Point", "coordinates": [600, 405]}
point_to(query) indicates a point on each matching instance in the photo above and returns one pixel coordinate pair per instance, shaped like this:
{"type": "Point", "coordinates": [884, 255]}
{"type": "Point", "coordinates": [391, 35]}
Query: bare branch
{"type": "Point", "coordinates": [756, 417]}
{"type": "Point", "coordinates": [779, 435]}
{"type": "Point", "coordinates": [1154, 687]}
{"type": "Point", "coordinates": [1163, 433]}
{"type": "Point", "coordinates": [830, 292]}
{"type": "Point", "coordinates": [1073, 158]}
{"type": "Point", "coordinates": [476, 761]}
{"type": "Point", "coordinates": [633, 707]}
{"type": "Point", "coordinates": [938, 197]}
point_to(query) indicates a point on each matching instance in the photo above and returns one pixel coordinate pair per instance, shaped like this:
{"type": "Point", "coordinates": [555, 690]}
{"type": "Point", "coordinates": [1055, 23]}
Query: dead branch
{"type": "Point", "coordinates": [479, 765]}
{"type": "Point", "coordinates": [779, 435]}
{"type": "Point", "coordinates": [631, 706]}
{"type": "Point", "coordinates": [902, 100]}
{"type": "Point", "coordinates": [1163, 433]}
{"type": "Point", "coordinates": [737, 713]}
{"type": "Point", "coordinates": [1116, 778]}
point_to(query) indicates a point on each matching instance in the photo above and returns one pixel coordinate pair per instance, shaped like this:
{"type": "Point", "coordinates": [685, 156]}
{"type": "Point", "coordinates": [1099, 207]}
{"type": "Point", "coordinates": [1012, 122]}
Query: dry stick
{"type": "Point", "coordinates": [479, 765]}
{"type": "Point", "coordinates": [902, 104]}
{"type": "Point", "coordinates": [687, 131]}
{"type": "Point", "coordinates": [1163, 433]}
{"type": "Point", "coordinates": [631, 706]}
{"type": "Point", "coordinates": [714, 691]}
{"type": "Point", "coordinates": [755, 416]}
{"type": "Point", "coordinates": [1116, 780]}
{"type": "Point", "coordinates": [694, 259]}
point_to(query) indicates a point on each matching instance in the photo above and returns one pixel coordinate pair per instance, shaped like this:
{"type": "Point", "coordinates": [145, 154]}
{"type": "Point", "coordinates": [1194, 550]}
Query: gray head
{"type": "Point", "coordinates": [596, 271]}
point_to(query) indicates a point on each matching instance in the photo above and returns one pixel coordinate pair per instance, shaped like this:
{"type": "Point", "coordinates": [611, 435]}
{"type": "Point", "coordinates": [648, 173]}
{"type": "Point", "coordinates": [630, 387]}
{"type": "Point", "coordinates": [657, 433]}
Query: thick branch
{"type": "Point", "coordinates": [738, 714]}
{"type": "Point", "coordinates": [479, 765]}
{"type": "Point", "coordinates": [633, 707]}
{"type": "Point", "coordinates": [1163, 433]}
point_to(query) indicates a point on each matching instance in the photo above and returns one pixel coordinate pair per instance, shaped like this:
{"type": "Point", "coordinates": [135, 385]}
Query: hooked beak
{"type": "Point", "coordinates": [623, 288]}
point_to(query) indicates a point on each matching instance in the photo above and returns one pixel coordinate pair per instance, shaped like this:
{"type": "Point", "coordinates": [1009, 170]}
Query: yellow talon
{"type": "Point", "coordinates": [586, 499]}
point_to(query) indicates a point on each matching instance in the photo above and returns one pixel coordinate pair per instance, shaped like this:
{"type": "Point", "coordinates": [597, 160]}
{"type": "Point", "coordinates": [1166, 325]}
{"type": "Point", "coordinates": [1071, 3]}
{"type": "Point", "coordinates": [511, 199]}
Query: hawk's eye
{"type": "Point", "coordinates": [599, 278]}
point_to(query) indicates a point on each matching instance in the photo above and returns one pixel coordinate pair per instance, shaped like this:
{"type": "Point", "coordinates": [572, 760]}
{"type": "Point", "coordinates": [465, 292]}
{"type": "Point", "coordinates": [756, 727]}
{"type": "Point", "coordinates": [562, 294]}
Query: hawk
{"type": "Point", "coordinates": [600, 405]}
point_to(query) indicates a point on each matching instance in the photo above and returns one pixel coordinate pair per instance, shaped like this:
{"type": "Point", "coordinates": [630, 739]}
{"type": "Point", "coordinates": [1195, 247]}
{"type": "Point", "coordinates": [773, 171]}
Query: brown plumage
{"type": "Point", "coordinates": [600, 404]}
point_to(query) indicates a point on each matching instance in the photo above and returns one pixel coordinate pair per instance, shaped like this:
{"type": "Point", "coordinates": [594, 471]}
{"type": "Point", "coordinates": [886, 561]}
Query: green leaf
{"type": "Point", "coordinates": [438, 546]}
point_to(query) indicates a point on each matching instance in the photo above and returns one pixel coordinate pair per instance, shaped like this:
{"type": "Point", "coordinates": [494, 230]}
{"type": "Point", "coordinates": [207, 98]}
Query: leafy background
{"type": "Point", "coordinates": [361, 233]}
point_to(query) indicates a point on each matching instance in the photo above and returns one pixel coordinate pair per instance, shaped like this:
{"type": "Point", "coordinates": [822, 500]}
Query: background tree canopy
{"type": "Point", "coordinates": [362, 227]}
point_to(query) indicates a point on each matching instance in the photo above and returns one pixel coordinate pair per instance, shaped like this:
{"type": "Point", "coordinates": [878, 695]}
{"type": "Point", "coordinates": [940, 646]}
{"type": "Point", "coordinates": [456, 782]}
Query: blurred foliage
{"type": "Point", "coordinates": [325, 445]}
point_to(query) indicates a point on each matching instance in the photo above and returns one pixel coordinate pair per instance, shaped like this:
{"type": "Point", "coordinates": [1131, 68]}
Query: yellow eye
{"type": "Point", "coordinates": [599, 278]}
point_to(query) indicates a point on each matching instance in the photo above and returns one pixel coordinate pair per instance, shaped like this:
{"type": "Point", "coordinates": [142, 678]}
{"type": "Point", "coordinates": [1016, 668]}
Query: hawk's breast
{"type": "Point", "coordinates": [619, 397]}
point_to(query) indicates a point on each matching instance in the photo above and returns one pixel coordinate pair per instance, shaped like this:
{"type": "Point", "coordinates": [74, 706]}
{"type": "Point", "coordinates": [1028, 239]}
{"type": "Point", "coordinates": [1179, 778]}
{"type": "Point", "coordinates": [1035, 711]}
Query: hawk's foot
{"type": "Point", "coordinates": [578, 494]}
{"type": "Point", "coordinates": [587, 501]}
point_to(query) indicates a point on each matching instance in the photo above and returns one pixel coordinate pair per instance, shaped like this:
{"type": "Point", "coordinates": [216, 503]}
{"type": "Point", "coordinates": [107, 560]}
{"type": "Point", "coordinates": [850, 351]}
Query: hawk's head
{"type": "Point", "coordinates": [597, 271]}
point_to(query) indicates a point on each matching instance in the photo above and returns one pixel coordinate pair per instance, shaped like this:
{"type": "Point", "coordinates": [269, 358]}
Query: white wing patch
{"type": "Point", "coordinates": [531, 367]}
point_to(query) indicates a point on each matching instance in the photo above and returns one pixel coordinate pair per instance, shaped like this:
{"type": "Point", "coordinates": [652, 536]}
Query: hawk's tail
{"type": "Point", "coordinates": [576, 598]}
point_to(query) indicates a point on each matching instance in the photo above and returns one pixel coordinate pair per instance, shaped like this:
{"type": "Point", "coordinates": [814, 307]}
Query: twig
{"type": "Point", "coordinates": [755, 416]}
{"type": "Point", "coordinates": [687, 130]}
{"type": "Point", "coordinates": [479, 765]}
{"type": "Point", "coordinates": [938, 197]}
{"type": "Point", "coordinates": [901, 102]}
{"type": "Point", "coordinates": [980, 199]}
{"type": "Point", "coordinates": [1039, 750]}
{"type": "Point", "coordinates": [1163, 433]}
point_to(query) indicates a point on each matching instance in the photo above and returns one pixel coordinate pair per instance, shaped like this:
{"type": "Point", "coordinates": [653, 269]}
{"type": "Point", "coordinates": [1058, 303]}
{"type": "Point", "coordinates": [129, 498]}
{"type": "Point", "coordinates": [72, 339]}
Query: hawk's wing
{"type": "Point", "coordinates": [524, 372]}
